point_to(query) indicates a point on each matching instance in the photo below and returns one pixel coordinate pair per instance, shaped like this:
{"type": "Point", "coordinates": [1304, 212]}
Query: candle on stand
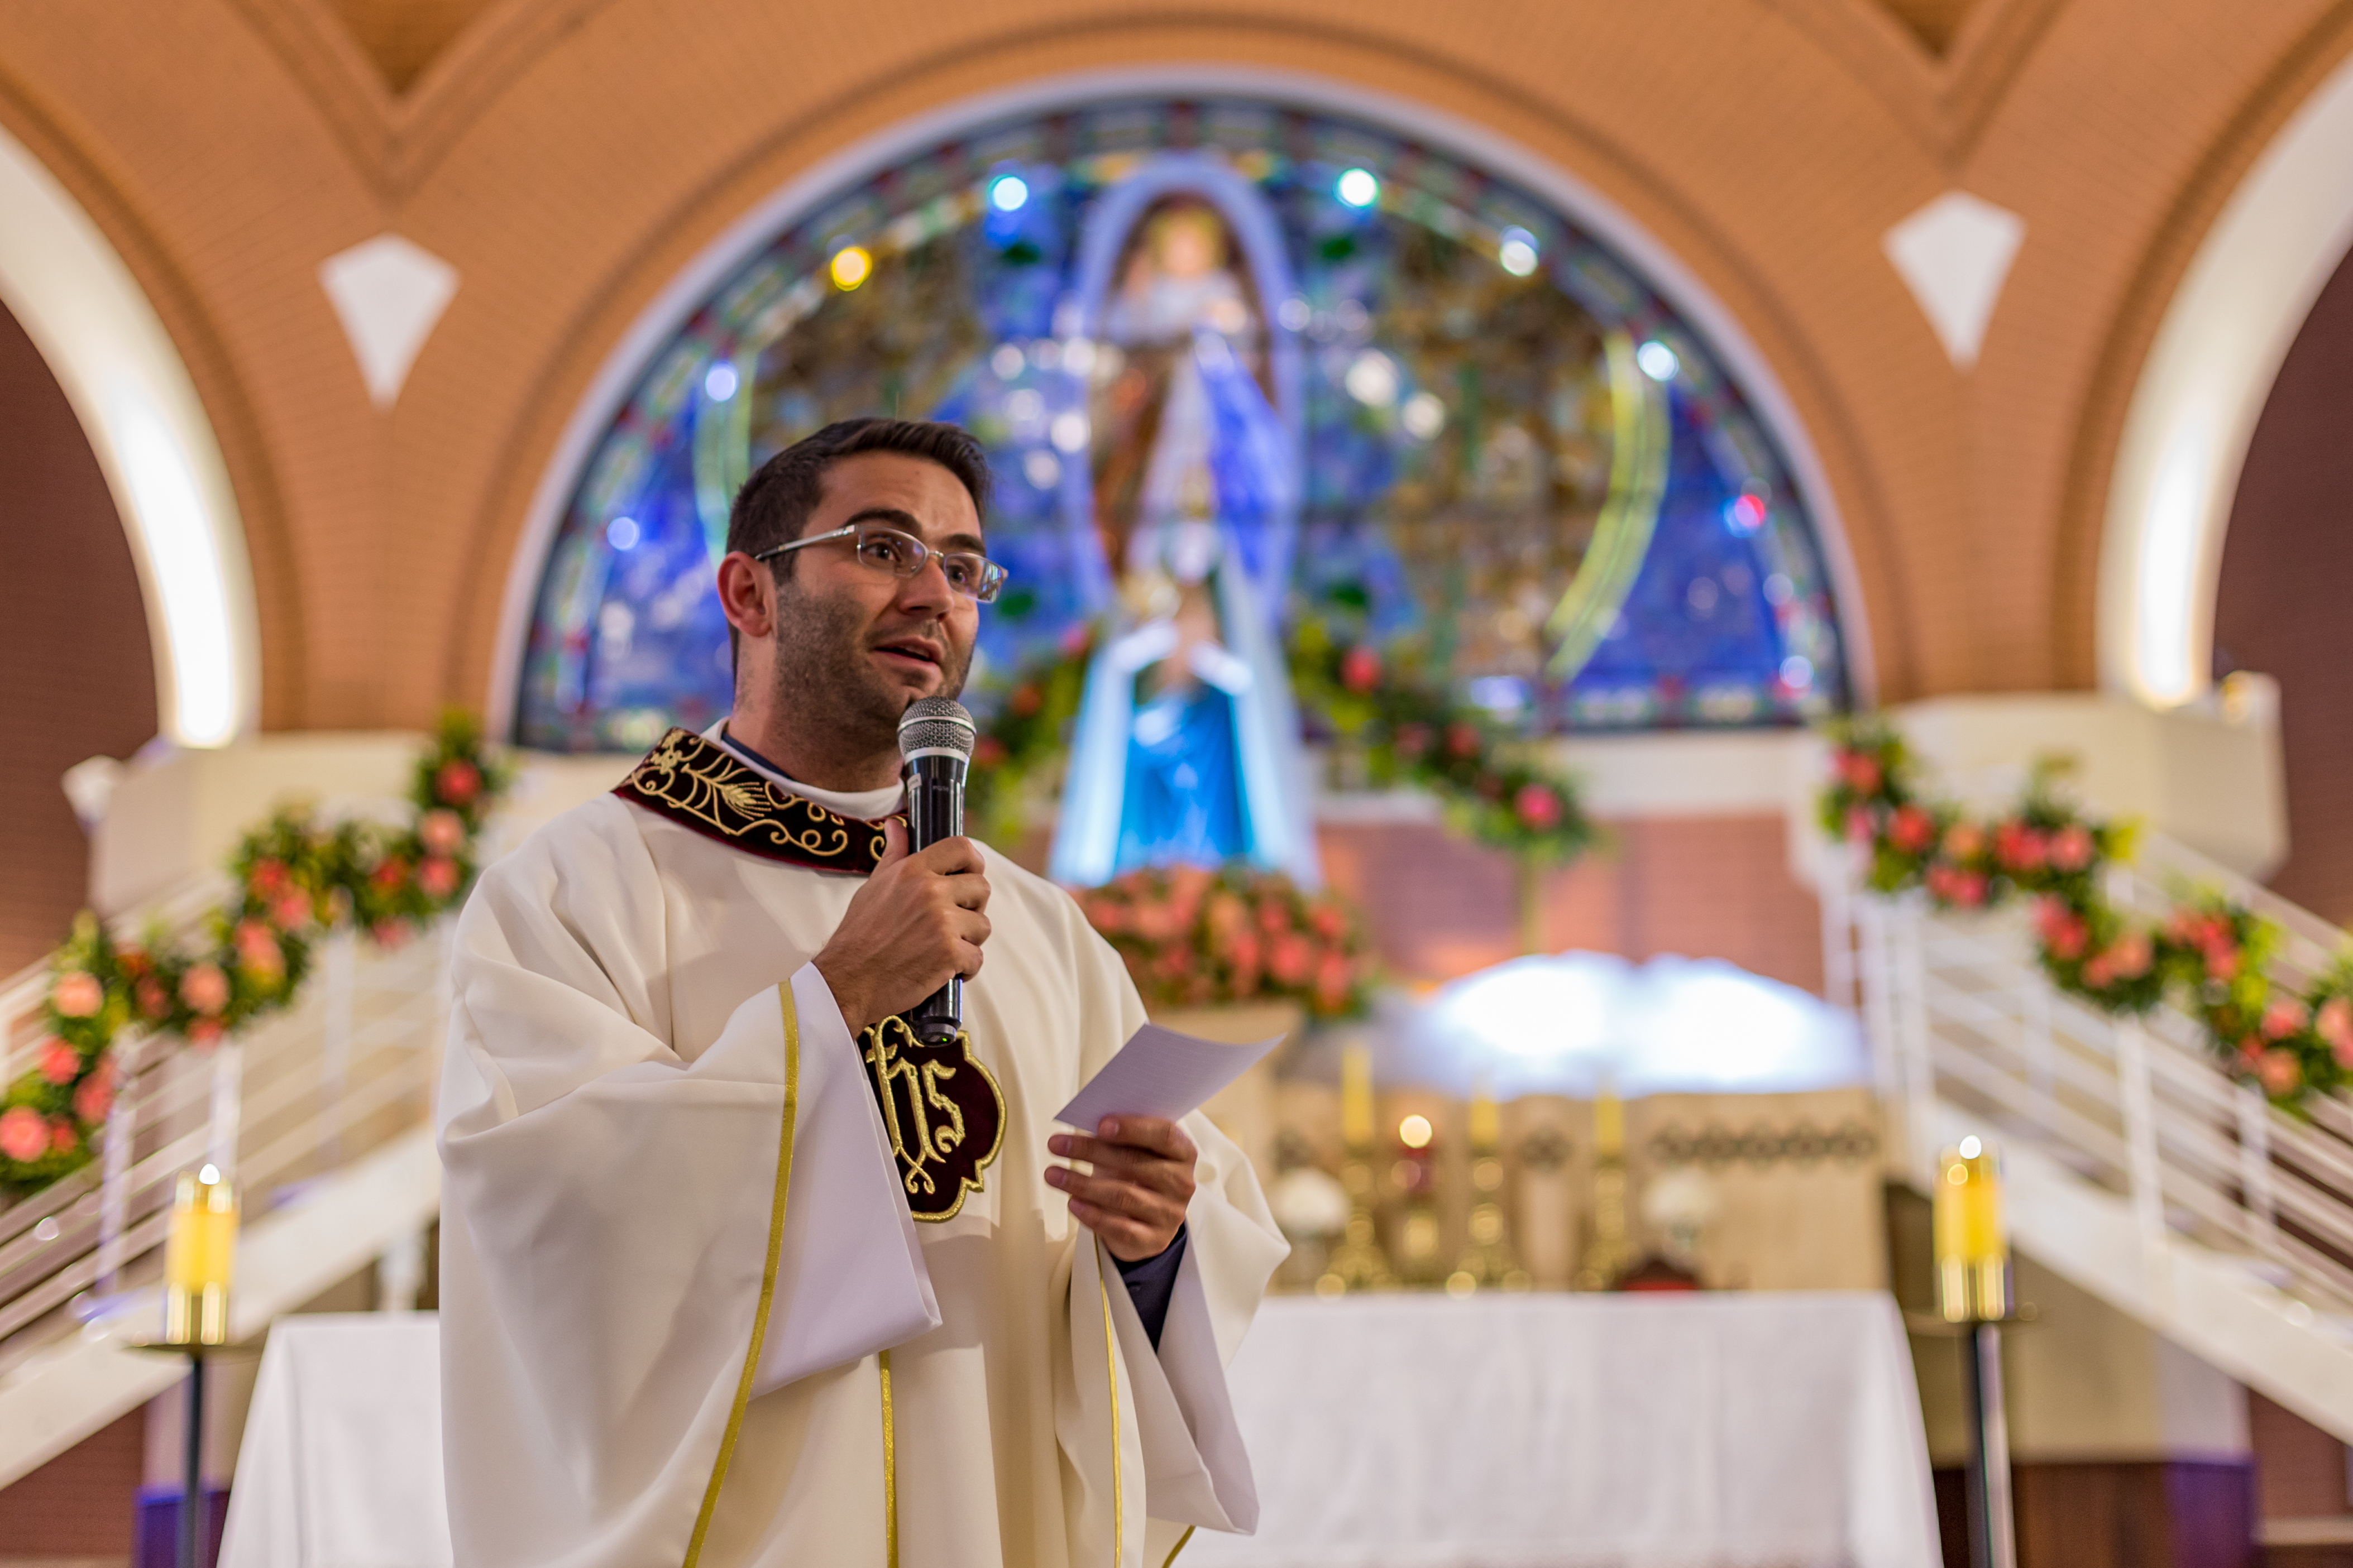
{"type": "Point", "coordinates": [1972, 1250]}
{"type": "Point", "coordinates": [199, 1258]}
{"type": "Point", "coordinates": [1356, 1095]}
{"type": "Point", "coordinates": [1973, 1289]}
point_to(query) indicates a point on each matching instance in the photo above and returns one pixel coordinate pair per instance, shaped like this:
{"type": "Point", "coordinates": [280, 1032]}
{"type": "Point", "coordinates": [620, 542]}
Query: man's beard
{"type": "Point", "coordinates": [825, 681]}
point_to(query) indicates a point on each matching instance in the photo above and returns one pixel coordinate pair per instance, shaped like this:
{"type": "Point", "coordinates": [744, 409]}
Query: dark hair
{"type": "Point", "coordinates": [774, 506]}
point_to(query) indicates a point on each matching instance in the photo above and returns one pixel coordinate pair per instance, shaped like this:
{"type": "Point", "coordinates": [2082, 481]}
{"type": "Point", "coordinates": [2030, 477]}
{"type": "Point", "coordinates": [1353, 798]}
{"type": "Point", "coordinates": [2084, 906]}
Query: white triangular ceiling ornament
{"type": "Point", "coordinates": [1954, 254]}
{"type": "Point", "coordinates": [388, 292]}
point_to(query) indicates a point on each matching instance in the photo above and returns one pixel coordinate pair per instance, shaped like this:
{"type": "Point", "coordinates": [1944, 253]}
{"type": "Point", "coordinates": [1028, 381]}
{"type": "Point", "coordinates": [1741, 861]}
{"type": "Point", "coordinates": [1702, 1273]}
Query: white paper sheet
{"type": "Point", "coordinates": [1160, 1072]}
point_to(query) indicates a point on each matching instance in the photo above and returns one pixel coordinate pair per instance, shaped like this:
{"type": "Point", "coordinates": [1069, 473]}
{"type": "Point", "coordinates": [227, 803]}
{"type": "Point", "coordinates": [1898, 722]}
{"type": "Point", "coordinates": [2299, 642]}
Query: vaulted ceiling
{"type": "Point", "coordinates": [1932, 22]}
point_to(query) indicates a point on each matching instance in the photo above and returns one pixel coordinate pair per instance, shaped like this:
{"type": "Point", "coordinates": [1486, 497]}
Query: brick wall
{"type": "Point", "coordinates": [82, 1504]}
{"type": "Point", "coordinates": [1440, 907]}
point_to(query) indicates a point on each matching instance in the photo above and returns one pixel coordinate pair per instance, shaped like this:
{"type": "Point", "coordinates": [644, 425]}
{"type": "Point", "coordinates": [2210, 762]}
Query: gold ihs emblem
{"type": "Point", "coordinates": [942, 1111]}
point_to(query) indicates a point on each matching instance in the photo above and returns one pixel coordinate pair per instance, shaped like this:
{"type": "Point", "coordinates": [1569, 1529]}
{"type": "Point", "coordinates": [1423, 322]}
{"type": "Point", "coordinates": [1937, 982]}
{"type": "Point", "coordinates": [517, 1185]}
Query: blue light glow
{"type": "Point", "coordinates": [1517, 252]}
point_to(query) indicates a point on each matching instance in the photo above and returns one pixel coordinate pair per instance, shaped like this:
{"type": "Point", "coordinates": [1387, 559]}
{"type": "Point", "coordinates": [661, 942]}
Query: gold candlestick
{"type": "Point", "coordinates": [1356, 1096]}
{"type": "Point", "coordinates": [1487, 1262]}
{"type": "Point", "coordinates": [1610, 1251]}
{"type": "Point", "coordinates": [1357, 1263]}
{"type": "Point", "coordinates": [199, 1258]}
{"type": "Point", "coordinates": [1415, 1234]}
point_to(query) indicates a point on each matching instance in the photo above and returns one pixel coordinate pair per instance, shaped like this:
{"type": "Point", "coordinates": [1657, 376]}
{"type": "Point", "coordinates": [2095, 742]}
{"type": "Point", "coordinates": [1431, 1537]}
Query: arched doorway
{"type": "Point", "coordinates": [73, 637]}
{"type": "Point", "coordinates": [140, 419]}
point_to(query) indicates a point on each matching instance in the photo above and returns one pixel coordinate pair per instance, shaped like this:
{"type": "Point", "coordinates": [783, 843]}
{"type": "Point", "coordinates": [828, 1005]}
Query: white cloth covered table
{"type": "Point", "coordinates": [1736, 1431]}
{"type": "Point", "coordinates": [1552, 1431]}
{"type": "Point", "coordinates": [341, 1467]}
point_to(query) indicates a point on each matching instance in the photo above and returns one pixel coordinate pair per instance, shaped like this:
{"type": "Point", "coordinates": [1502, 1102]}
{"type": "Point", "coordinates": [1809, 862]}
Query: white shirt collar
{"type": "Point", "coordinates": [866, 805]}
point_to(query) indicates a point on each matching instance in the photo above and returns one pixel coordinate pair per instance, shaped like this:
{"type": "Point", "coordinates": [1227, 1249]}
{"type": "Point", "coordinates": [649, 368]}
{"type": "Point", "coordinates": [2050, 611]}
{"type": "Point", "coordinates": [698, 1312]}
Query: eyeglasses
{"type": "Point", "coordinates": [975, 576]}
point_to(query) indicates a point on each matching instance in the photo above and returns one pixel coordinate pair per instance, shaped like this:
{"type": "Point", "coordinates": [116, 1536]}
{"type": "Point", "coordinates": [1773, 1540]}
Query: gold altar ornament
{"type": "Point", "coordinates": [199, 1258]}
{"type": "Point", "coordinates": [1972, 1252]}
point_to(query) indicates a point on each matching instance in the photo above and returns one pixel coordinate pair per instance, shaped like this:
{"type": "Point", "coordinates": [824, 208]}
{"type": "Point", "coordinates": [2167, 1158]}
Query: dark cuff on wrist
{"type": "Point", "coordinates": [1152, 1284]}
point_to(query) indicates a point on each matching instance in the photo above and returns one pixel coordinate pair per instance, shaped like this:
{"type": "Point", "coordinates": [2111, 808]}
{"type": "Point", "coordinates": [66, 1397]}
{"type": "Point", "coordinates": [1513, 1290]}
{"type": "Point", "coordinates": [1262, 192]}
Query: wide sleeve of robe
{"type": "Point", "coordinates": [607, 1208]}
{"type": "Point", "coordinates": [1179, 1454]}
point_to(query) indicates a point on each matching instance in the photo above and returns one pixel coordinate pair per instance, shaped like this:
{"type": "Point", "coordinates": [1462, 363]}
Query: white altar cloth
{"type": "Point", "coordinates": [1540, 1431]}
{"type": "Point", "coordinates": [340, 1466]}
{"type": "Point", "coordinates": [1553, 1431]}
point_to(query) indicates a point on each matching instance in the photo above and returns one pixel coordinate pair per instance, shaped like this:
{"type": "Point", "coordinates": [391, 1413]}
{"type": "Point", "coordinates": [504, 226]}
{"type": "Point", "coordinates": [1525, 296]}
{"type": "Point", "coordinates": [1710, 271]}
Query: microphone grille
{"type": "Point", "coordinates": [936, 724]}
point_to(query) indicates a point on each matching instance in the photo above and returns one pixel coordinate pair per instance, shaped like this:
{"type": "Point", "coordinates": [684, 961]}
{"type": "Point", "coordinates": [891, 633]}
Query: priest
{"type": "Point", "coordinates": [736, 1268]}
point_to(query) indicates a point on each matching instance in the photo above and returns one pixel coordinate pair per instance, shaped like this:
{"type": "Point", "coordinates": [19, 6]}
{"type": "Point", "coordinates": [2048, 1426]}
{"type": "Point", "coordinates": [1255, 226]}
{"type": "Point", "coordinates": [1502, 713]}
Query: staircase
{"type": "Point", "coordinates": [321, 1115]}
{"type": "Point", "coordinates": [2137, 1168]}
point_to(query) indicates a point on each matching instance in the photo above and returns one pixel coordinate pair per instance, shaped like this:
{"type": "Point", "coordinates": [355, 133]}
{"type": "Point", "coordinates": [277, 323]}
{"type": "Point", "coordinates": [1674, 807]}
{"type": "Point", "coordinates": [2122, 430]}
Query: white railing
{"type": "Point", "coordinates": [324, 1083]}
{"type": "Point", "coordinates": [1957, 1010]}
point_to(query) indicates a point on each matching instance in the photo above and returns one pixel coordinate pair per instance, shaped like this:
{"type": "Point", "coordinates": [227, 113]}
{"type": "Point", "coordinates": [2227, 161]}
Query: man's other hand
{"type": "Point", "coordinates": [1142, 1180]}
{"type": "Point", "coordinates": [918, 920]}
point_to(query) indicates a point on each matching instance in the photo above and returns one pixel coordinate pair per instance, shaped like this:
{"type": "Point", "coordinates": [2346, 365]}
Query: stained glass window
{"type": "Point", "coordinates": [1474, 422]}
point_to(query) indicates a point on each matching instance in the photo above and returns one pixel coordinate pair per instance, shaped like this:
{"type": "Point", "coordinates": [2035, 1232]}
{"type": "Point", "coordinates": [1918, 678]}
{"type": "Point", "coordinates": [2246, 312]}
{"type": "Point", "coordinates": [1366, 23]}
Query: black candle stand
{"type": "Point", "coordinates": [192, 1442]}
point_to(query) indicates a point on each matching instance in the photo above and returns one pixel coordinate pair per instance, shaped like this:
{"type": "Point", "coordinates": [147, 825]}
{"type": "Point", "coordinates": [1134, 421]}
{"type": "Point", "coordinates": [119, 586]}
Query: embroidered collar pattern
{"type": "Point", "coordinates": [703, 785]}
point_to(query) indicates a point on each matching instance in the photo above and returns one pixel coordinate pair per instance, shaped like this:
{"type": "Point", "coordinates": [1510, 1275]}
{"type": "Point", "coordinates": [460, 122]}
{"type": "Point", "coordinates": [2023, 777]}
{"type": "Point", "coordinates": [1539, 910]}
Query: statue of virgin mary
{"type": "Point", "coordinates": [1187, 748]}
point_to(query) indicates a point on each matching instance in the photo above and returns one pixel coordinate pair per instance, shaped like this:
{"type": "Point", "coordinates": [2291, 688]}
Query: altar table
{"type": "Point", "coordinates": [1538, 1431]}
{"type": "Point", "coordinates": [1552, 1431]}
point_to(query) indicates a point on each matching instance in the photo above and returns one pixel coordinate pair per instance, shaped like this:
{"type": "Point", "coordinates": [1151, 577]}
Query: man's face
{"type": "Point", "coordinates": [855, 645]}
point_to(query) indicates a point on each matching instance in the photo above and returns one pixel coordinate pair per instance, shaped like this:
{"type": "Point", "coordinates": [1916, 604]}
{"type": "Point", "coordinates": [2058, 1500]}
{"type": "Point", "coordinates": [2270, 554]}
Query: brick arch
{"type": "Point", "coordinates": [131, 395]}
{"type": "Point", "coordinates": [124, 175]}
{"type": "Point", "coordinates": [2085, 546]}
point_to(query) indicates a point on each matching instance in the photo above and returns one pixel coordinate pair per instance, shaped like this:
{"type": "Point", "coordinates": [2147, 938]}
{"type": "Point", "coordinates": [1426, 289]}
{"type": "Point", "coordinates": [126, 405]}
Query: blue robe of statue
{"type": "Point", "coordinates": [1183, 801]}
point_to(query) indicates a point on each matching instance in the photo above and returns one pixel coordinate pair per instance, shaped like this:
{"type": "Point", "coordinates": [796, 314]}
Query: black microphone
{"type": "Point", "coordinates": [936, 736]}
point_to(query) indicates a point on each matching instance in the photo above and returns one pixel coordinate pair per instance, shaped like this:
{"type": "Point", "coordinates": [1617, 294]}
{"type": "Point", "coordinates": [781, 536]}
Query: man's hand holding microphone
{"type": "Point", "coordinates": [919, 922]}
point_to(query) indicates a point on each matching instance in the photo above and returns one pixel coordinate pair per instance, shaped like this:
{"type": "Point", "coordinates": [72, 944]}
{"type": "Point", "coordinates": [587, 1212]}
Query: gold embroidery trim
{"type": "Point", "coordinates": [889, 1470]}
{"type": "Point", "coordinates": [768, 1278]}
{"type": "Point", "coordinates": [930, 1144]}
{"type": "Point", "coordinates": [697, 780]}
{"type": "Point", "coordinates": [1111, 1370]}
{"type": "Point", "coordinates": [1181, 1541]}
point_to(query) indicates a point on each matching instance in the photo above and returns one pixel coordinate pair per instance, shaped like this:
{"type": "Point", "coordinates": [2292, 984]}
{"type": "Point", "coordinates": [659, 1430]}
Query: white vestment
{"type": "Point", "coordinates": [617, 1093]}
